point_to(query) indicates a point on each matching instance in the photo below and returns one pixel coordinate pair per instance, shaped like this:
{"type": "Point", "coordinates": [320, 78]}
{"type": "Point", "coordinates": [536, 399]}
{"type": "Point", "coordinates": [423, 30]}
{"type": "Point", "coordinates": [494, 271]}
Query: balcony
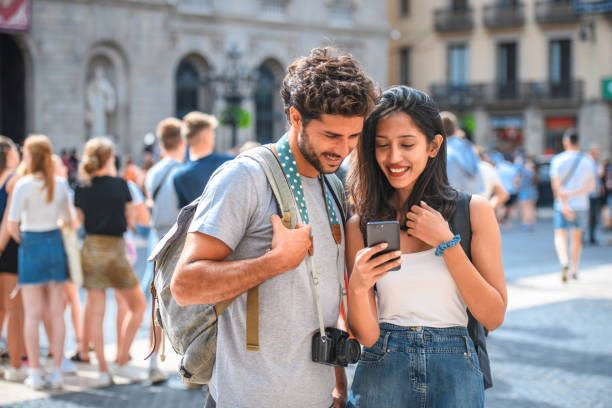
{"type": "Point", "coordinates": [504, 16]}
{"type": "Point", "coordinates": [555, 12]}
{"type": "Point", "coordinates": [514, 94]}
{"type": "Point", "coordinates": [448, 19]}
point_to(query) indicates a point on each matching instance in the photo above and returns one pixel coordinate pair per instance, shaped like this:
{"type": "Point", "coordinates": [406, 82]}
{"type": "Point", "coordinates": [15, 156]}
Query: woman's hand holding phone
{"type": "Point", "coordinates": [368, 268]}
{"type": "Point", "coordinates": [428, 225]}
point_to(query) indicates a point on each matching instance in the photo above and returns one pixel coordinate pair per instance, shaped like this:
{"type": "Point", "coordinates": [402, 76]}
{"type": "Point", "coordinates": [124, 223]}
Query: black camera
{"type": "Point", "coordinates": [337, 348]}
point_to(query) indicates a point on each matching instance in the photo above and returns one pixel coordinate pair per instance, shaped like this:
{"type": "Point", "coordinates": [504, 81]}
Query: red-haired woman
{"type": "Point", "coordinates": [38, 202]}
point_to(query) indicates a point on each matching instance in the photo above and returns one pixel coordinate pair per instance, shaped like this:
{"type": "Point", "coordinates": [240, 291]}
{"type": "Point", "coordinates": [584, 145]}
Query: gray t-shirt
{"type": "Point", "coordinates": [236, 208]}
{"type": "Point", "coordinates": [165, 207]}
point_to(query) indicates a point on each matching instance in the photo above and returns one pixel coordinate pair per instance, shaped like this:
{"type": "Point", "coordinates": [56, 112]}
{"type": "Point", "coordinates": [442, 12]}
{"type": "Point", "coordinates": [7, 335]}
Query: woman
{"type": "Point", "coordinates": [528, 194]}
{"type": "Point", "coordinates": [104, 205]}
{"type": "Point", "coordinates": [12, 308]}
{"type": "Point", "coordinates": [39, 201]}
{"type": "Point", "coordinates": [413, 323]}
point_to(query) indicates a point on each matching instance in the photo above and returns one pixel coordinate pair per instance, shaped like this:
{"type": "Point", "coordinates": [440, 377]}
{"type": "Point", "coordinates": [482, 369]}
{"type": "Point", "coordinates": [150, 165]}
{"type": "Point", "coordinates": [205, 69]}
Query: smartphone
{"type": "Point", "coordinates": [384, 231]}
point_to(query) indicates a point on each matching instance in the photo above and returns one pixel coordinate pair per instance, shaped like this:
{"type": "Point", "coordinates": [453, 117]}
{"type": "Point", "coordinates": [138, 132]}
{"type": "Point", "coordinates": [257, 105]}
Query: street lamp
{"type": "Point", "coordinates": [234, 83]}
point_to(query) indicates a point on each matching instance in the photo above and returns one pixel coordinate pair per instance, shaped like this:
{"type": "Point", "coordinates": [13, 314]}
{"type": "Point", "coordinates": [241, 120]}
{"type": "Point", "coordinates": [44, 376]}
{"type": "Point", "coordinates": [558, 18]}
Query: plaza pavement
{"type": "Point", "coordinates": [553, 350]}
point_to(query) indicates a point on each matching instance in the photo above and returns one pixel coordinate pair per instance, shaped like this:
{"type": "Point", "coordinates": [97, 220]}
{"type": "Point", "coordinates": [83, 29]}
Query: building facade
{"type": "Point", "coordinates": [117, 67]}
{"type": "Point", "coordinates": [518, 72]}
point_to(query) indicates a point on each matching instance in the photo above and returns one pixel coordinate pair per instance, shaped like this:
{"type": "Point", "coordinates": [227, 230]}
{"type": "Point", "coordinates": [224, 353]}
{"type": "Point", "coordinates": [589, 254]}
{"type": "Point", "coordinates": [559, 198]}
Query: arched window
{"type": "Point", "coordinates": [192, 92]}
{"type": "Point", "coordinates": [268, 110]}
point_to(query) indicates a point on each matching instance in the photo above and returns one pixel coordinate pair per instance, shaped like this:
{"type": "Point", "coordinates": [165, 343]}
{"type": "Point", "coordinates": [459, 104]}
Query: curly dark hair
{"type": "Point", "coordinates": [371, 192]}
{"type": "Point", "coordinates": [323, 83]}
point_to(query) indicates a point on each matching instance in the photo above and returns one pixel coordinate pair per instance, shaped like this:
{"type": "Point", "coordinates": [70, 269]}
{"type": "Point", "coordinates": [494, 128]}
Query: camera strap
{"type": "Point", "coordinates": [289, 166]}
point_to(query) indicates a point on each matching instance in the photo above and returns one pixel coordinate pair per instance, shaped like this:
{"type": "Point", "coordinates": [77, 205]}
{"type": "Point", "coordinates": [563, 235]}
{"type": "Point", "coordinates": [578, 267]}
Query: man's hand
{"type": "Point", "coordinates": [290, 246]}
{"type": "Point", "coordinates": [568, 213]}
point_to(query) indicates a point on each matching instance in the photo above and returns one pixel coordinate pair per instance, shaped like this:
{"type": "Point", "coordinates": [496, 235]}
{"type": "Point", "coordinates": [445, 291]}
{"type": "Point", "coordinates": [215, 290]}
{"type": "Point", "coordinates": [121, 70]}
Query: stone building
{"type": "Point", "coordinates": [518, 72]}
{"type": "Point", "coordinates": [117, 67]}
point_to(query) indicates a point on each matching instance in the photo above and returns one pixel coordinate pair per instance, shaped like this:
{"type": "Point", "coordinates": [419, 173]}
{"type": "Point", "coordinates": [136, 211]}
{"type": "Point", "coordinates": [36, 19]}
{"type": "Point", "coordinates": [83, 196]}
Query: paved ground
{"type": "Point", "coordinates": [552, 351]}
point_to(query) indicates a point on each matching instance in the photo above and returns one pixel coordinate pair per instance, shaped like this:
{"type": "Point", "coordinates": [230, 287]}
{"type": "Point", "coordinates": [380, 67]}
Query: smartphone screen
{"type": "Point", "coordinates": [384, 231]}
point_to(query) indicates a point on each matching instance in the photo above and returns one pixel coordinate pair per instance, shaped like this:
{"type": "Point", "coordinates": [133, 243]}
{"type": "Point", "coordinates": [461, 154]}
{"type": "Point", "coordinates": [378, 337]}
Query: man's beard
{"type": "Point", "coordinates": [309, 153]}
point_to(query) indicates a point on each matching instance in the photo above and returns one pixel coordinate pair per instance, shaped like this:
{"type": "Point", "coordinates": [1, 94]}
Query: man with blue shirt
{"type": "Point", "coordinates": [190, 179]}
{"type": "Point", "coordinates": [461, 158]}
{"type": "Point", "coordinates": [572, 180]}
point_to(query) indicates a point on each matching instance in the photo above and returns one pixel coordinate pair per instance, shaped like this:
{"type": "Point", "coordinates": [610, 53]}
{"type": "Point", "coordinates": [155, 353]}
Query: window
{"type": "Point", "coordinates": [507, 76]}
{"type": "Point", "coordinates": [458, 65]}
{"type": "Point", "coordinates": [264, 105]}
{"type": "Point", "coordinates": [187, 84]}
{"type": "Point", "coordinates": [341, 13]}
{"type": "Point", "coordinates": [404, 8]}
{"type": "Point", "coordinates": [459, 4]}
{"type": "Point", "coordinates": [274, 8]}
{"type": "Point", "coordinates": [192, 90]}
{"type": "Point", "coordinates": [268, 107]}
{"type": "Point", "coordinates": [560, 67]}
{"type": "Point", "coordinates": [404, 65]}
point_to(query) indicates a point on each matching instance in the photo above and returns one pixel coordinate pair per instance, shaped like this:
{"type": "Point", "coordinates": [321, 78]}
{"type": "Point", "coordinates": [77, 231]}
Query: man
{"type": "Point", "coordinates": [236, 242]}
{"type": "Point", "coordinates": [597, 195]}
{"type": "Point", "coordinates": [461, 158]}
{"type": "Point", "coordinates": [510, 176]}
{"type": "Point", "coordinates": [493, 189]}
{"type": "Point", "coordinates": [163, 199]}
{"type": "Point", "coordinates": [571, 177]}
{"type": "Point", "coordinates": [189, 181]}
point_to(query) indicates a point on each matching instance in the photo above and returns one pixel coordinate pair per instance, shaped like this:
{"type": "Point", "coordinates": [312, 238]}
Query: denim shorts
{"type": "Point", "coordinates": [41, 258]}
{"type": "Point", "coordinates": [418, 367]}
{"type": "Point", "coordinates": [580, 220]}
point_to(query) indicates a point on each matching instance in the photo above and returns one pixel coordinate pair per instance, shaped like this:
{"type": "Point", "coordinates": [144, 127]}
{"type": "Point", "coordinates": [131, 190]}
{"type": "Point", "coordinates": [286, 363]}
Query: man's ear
{"type": "Point", "coordinates": [295, 118]}
{"type": "Point", "coordinates": [434, 146]}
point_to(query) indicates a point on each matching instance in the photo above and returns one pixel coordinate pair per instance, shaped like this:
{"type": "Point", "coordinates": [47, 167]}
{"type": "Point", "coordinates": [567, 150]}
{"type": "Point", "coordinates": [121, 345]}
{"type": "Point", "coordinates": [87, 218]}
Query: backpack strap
{"type": "Point", "coordinates": [288, 212]}
{"type": "Point", "coordinates": [338, 193]}
{"type": "Point", "coordinates": [461, 224]}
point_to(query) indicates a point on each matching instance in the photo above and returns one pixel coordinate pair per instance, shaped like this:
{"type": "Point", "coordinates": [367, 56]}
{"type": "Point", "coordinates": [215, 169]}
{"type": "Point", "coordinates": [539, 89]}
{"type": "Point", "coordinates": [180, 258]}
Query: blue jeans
{"type": "Point", "coordinates": [418, 367]}
{"type": "Point", "coordinates": [41, 258]}
{"type": "Point", "coordinates": [581, 218]}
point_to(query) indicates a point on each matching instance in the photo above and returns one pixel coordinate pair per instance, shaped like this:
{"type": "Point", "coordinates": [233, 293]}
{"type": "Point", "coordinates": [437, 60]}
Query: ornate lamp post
{"type": "Point", "coordinates": [234, 83]}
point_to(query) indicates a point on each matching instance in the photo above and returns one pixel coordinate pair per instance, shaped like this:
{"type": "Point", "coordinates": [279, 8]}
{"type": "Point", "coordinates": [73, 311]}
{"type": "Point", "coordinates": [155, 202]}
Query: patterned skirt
{"type": "Point", "coordinates": [105, 264]}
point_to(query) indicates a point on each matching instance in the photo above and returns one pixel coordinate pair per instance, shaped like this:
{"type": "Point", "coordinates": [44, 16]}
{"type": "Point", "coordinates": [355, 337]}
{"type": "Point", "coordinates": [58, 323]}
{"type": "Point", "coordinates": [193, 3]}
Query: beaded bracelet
{"type": "Point", "coordinates": [449, 244]}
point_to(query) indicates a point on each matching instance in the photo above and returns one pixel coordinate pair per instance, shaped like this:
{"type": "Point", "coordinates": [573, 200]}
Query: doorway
{"type": "Point", "coordinates": [12, 90]}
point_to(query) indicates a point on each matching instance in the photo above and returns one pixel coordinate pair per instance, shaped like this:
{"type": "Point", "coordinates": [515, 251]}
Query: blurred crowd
{"type": "Point", "coordinates": [71, 221]}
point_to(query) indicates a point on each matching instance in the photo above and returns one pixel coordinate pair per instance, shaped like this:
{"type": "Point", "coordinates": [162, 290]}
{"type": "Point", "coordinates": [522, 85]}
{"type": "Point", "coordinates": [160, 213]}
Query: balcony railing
{"type": "Point", "coordinates": [450, 19]}
{"type": "Point", "coordinates": [555, 12]}
{"type": "Point", "coordinates": [503, 16]}
{"type": "Point", "coordinates": [513, 93]}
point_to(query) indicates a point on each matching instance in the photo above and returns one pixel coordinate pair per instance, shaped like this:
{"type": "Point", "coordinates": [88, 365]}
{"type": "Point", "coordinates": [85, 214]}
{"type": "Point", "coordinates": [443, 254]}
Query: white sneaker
{"type": "Point", "coordinates": [55, 379]}
{"type": "Point", "coordinates": [68, 367]}
{"type": "Point", "coordinates": [130, 372]}
{"type": "Point", "coordinates": [15, 374]}
{"type": "Point", "coordinates": [104, 379]}
{"type": "Point", "coordinates": [156, 376]}
{"type": "Point", "coordinates": [35, 379]}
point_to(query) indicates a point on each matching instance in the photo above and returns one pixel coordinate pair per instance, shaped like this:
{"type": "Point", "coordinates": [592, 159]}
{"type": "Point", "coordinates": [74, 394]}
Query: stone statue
{"type": "Point", "coordinates": [101, 102]}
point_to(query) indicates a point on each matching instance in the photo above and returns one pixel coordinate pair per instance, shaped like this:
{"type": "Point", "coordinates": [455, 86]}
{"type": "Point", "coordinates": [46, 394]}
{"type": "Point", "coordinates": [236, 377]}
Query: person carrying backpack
{"type": "Point", "coordinates": [237, 242]}
{"type": "Point", "coordinates": [416, 322]}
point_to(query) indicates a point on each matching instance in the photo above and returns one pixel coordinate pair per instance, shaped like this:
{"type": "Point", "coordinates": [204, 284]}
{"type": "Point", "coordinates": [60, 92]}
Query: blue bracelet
{"type": "Point", "coordinates": [449, 244]}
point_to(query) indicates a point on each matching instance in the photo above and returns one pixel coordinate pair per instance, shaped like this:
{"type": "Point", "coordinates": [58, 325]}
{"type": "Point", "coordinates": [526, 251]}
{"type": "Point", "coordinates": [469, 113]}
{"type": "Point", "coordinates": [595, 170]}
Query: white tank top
{"type": "Point", "coordinates": [421, 293]}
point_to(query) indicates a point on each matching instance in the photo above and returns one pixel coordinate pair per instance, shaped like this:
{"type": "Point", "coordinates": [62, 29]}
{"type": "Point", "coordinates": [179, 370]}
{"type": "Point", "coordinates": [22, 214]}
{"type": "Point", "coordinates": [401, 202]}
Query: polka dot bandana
{"type": "Point", "coordinates": [289, 166]}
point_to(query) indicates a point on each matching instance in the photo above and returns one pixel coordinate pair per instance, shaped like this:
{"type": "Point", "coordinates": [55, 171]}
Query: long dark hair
{"type": "Point", "coordinates": [370, 190]}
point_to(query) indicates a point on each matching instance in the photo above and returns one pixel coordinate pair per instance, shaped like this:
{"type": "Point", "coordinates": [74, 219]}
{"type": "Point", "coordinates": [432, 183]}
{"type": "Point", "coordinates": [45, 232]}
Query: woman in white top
{"type": "Point", "coordinates": [39, 201]}
{"type": "Point", "coordinates": [413, 321]}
